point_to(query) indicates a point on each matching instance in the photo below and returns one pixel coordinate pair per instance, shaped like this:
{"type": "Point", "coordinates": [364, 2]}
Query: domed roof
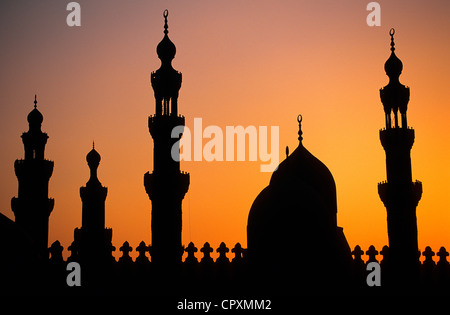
{"type": "Point", "coordinates": [393, 66]}
{"type": "Point", "coordinates": [93, 157]}
{"type": "Point", "coordinates": [302, 168]}
{"type": "Point", "coordinates": [296, 215]}
{"type": "Point", "coordinates": [35, 117]}
{"type": "Point", "coordinates": [166, 49]}
{"type": "Point", "coordinates": [302, 171]}
{"type": "Point", "coordinates": [301, 191]}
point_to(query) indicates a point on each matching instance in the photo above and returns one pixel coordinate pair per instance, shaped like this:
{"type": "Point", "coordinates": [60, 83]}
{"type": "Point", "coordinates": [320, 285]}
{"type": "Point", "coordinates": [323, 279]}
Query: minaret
{"type": "Point", "coordinates": [399, 193]}
{"type": "Point", "coordinates": [32, 207]}
{"type": "Point", "coordinates": [167, 185]}
{"type": "Point", "coordinates": [93, 240]}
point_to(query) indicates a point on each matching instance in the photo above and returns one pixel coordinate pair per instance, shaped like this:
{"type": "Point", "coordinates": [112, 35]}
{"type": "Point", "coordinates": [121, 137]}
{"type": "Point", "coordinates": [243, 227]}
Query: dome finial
{"type": "Point", "coordinates": [165, 14]}
{"type": "Point", "coordinates": [392, 32]}
{"type": "Point", "coordinates": [300, 132]}
{"type": "Point", "coordinates": [35, 117]}
{"type": "Point", "coordinates": [393, 66]}
{"type": "Point", "coordinates": [166, 49]}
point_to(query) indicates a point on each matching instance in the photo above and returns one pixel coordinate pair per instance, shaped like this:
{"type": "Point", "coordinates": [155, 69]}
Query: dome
{"type": "Point", "coordinates": [93, 158]}
{"type": "Point", "coordinates": [294, 218]}
{"type": "Point", "coordinates": [393, 66]}
{"type": "Point", "coordinates": [301, 171]}
{"type": "Point", "coordinates": [302, 192]}
{"type": "Point", "coordinates": [35, 117]}
{"type": "Point", "coordinates": [303, 168]}
{"type": "Point", "coordinates": [166, 49]}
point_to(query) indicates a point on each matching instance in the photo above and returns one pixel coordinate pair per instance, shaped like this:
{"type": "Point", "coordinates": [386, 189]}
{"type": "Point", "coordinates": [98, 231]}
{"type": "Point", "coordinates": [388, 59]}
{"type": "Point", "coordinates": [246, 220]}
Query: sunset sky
{"type": "Point", "coordinates": [245, 63]}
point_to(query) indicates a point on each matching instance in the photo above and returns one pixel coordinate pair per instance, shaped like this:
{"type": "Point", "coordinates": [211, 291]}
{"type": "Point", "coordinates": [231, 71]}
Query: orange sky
{"type": "Point", "coordinates": [244, 63]}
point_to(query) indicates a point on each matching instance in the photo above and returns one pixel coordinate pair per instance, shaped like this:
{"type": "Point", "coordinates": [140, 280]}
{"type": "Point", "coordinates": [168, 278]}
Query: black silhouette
{"type": "Point", "coordinates": [399, 193]}
{"type": "Point", "coordinates": [166, 186]}
{"type": "Point", "coordinates": [298, 210]}
{"type": "Point", "coordinates": [32, 207]}
{"type": "Point", "coordinates": [294, 243]}
{"type": "Point", "coordinates": [92, 240]}
{"type": "Point", "coordinates": [92, 246]}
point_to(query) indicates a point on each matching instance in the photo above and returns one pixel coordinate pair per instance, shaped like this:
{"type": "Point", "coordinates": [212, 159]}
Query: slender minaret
{"type": "Point", "coordinates": [167, 185]}
{"type": "Point", "coordinates": [93, 240]}
{"type": "Point", "coordinates": [32, 207]}
{"type": "Point", "coordinates": [399, 193]}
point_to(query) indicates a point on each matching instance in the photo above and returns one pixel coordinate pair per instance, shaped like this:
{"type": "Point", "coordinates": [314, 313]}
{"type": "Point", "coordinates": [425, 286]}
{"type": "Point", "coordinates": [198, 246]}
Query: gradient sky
{"type": "Point", "coordinates": [244, 63]}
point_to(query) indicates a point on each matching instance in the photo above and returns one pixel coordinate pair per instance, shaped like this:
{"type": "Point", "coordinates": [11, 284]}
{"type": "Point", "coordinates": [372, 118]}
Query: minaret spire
{"type": "Point", "coordinates": [32, 207]}
{"type": "Point", "coordinates": [166, 185]}
{"type": "Point", "coordinates": [93, 240]}
{"type": "Point", "coordinates": [399, 193]}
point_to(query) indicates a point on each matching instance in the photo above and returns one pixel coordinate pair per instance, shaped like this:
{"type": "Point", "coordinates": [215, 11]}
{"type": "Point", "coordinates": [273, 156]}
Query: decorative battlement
{"type": "Point", "coordinates": [154, 118]}
{"type": "Point", "coordinates": [231, 271]}
{"type": "Point", "coordinates": [408, 127]}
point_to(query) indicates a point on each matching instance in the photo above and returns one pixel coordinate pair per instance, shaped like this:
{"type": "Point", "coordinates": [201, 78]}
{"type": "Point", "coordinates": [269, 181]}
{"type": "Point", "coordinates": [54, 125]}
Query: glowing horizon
{"type": "Point", "coordinates": [243, 64]}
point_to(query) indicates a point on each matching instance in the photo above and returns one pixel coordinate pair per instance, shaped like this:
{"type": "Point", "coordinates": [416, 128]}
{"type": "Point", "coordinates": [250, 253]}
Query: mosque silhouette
{"type": "Point", "coordinates": [294, 244]}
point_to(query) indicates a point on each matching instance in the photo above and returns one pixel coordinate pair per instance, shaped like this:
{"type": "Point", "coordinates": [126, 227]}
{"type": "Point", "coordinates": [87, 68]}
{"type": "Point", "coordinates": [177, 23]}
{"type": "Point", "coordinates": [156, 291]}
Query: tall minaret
{"type": "Point", "coordinates": [32, 207]}
{"type": "Point", "coordinates": [399, 193]}
{"type": "Point", "coordinates": [92, 239]}
{"type": "Point", "coordinates": [167, 185]}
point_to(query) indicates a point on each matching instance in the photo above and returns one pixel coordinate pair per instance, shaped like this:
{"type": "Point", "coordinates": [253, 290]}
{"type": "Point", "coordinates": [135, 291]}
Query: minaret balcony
{"type": "Point", "coordinates": [386, 192]}
{"type": "Point", "coordinates": [18, 206]}
{"type": "Point", "coordinates": [174, 184]}
{"type": "Point", "coordinates": [39, 168]}
{"type": "Point", "coordinates": [164, 124]}
{"type": "Point", "coordinates": [397, 138]}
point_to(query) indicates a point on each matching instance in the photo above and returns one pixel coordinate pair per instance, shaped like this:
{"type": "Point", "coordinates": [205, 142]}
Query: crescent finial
{"type": "Point", "coordinates": [165, 14]}
{"type": "Point", "coordinates": [300, 132]}
{"type": "Point", "coordinates": [391, 33]}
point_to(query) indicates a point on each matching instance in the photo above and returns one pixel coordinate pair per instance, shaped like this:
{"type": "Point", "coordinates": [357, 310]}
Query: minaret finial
{"type": "Point", "coordinates": [165, 14]}
{"type": "Point", "coordinates": [35, 100]}
{"type": "Point", "coordinates": [300, 132]}
{"type": "Point", "coordinates": [392, 32]}
{"type": "Point", "coordinates": [93, 145]}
